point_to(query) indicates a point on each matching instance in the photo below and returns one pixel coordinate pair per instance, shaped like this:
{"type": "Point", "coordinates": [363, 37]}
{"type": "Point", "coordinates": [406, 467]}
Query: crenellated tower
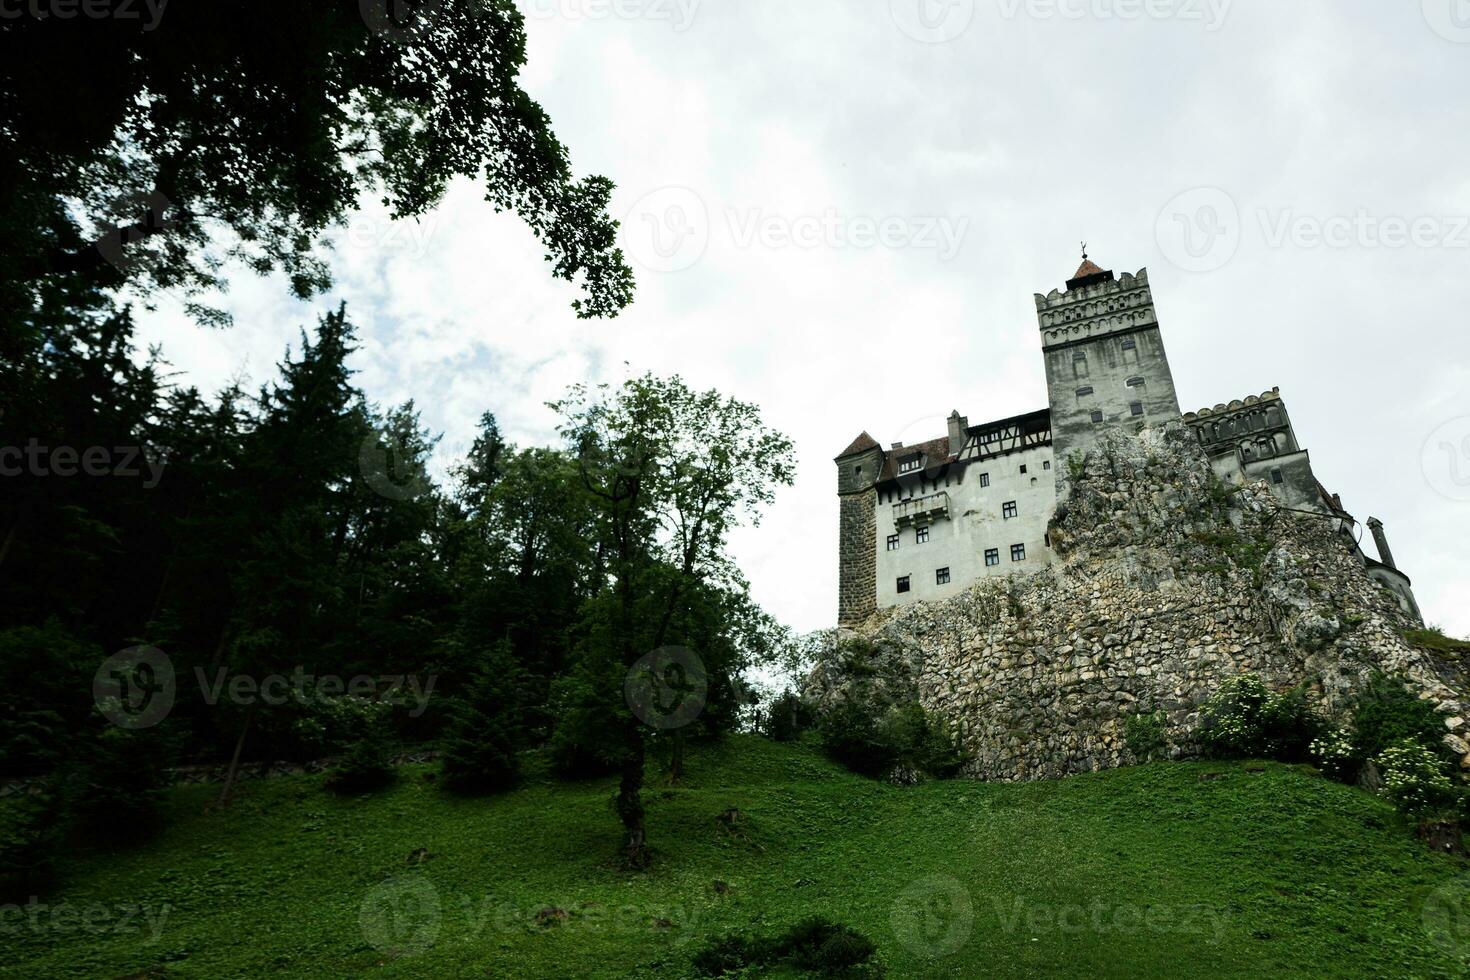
{"type": "Point", "coordinates": [1105, 361]}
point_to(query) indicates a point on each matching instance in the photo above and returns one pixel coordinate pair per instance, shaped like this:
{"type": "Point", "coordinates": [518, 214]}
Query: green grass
{"type": "Point", "coordinates": [1435, 639]}
{"type": "Point", "coordinates": [1176, 869]}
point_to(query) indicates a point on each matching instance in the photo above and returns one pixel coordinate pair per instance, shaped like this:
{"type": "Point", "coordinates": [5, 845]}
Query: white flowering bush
{"type": "Point", "coordinates": [1415, 779]}
{"type": "Point", "coordinates": [1244, 719]}
{"type": "Point", "coordinates": [1334, 753]}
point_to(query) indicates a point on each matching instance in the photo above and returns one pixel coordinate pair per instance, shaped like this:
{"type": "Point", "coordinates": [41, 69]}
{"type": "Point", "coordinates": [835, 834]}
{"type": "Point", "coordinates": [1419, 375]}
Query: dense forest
{"type": "Point", "coordinates": [295, 532]}
{"type": "Point", "coordinates": [274, 574]}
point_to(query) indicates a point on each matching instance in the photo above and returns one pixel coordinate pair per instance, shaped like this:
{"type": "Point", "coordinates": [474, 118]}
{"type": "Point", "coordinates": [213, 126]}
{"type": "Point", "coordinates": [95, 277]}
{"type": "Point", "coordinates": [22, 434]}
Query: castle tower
{"type": "Point", "coordinates": [858, 469]}
{"type": "Point", "coordinates": [1105, 361]}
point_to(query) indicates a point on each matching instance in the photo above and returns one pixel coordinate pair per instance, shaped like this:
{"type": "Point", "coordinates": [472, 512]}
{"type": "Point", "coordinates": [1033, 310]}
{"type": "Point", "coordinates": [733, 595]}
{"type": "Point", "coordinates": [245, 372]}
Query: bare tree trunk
{"type": "Point", "coordinates": [224, 796]}
{"type": "Point", "coordinates": [676, 763]}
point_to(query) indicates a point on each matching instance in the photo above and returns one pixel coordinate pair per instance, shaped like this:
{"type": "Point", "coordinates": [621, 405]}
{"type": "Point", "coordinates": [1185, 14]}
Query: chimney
{"type": "Point", "coordinates": [957, 426]}
{"type": "Point", "coordinates": [1381, 540]}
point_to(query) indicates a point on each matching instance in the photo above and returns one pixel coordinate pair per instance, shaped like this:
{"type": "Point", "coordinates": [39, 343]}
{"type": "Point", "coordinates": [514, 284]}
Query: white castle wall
{"type": "Point", "coordinates": [975, 523]}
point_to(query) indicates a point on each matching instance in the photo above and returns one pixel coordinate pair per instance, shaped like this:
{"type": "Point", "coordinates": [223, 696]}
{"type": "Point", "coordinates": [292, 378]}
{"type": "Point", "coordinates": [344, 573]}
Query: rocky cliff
{"type": "Point", "coordinates": [1167, 583]}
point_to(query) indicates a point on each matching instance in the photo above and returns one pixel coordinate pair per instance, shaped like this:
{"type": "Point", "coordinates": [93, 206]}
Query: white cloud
{"type": "Point", "coordinates": [1037, 131]}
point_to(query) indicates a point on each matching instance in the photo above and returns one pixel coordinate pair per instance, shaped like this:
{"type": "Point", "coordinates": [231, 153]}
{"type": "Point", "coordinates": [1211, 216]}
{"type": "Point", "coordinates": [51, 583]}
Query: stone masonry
{"type": "Point", "coordinates": [1167, 582]}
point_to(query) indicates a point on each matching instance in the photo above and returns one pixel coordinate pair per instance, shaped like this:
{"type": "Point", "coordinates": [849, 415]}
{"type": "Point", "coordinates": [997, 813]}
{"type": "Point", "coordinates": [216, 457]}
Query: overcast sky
{"type": "Point", "coordinates": [840, 210]}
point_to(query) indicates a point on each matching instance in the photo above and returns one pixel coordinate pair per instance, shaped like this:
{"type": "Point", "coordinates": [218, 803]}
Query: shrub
{"type": "Point", "coordinates": [815, 944]}
{"type": "Point", "coordinates": [1386, 712]}
{"type": "Point", "coordinates": [1144, 735]}
{"type": "Point", "coordinates": [1435, 639]}
{"type": "Point", "coordinates": [359, 729]}
{"type": "Point", "coordinates": [480, 740]}
{"type": "Point", "coordinates": [824, 947]}
{"type": "Point", "coordinates": [31, 830]}
{"type": "Point", "coordinates": [1245, 720]}
{"type": "Point", "coordinates": [42, 671]}
{"type": "Point", "coordinates": [874, 740]}
{"type": "Point", "coordinates": [1415, 779]}
{"type": "Point", "coordinates": [1335, 754]}
{"type": "Point", "coordinates": [852, 734]}
{"type": "Point", "coordinates": [788, 716]}
{"type": "Point", "coordinates": [118, 784]}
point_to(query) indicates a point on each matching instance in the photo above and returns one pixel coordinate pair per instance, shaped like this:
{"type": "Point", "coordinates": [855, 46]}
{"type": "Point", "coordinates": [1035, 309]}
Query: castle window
{"type": "Point", "coordinates": [1130, 351]}
{"type": "Point", "coordinates": [1277, 477]}
{"type": "Point", "coordinates": [893, 542]}
{"type": "Point", "coordinates": [910, 464]}
{"type": "Point", "coordinates": [1008, 509]}
{"type": "Point", "coordinates": [921, 534]}
{"type": "Point", "coordinates": [1135, 408]}
{"type": "Point", "coordinates": [1135, 382]}
{"type": "Point", "coordinates": [1097, 416]}
{"type": "Point", "coordinates": [857, 472]}
{"type": "Point", "coordinates": [1046, 464]}
{"type": "Point", "coordinates": [941, 576]}
{"type": "Point", "coordinates": [903, 584]}
{"type": "Point", "coordinates": [1079, 364]}
{"type": "Point", "coordinates": [985, 479]}
{"type": "Point", "coordinates": [1023, 469]}
{"type": "Point", "coordinates": [1018, 552]}
{"type": "Point", "coordinates": [1084, 391]}
{"type": "Point", "coordinates": [1130, 344]}
{"type": "Point", "coordinates": [992, 556]}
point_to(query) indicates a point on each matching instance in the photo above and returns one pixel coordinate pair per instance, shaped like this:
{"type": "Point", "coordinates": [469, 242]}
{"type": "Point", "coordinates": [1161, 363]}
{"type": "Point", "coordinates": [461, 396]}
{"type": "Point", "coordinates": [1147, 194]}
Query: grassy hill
{"type": "Point", "coordinates": [1226, 869]}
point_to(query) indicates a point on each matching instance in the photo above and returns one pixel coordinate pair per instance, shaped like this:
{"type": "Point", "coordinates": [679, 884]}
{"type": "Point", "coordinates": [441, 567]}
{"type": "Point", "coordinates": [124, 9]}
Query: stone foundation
{"type": "Point", "coordinates": [1167, 583]}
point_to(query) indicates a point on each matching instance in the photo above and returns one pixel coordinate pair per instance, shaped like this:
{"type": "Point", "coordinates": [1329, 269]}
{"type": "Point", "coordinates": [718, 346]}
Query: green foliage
{"type": "Point", "coordinates": [1386, 713]}
{"type": "Point", "coordinates": [180, 142]}
{"type": "Point", "coordinates": [480, 740]}
{"type": "Point", "coordinates": [815, 944]}
{"type": "Point", "coordinates": [1415, 779]}
{"type": "Point", "coordinates": [1434, 639]}
{"type": "Point", "coordinates": [874, 739]}
{"type": "Point", "coordinates": [41, 671]}
{"type": "Point", "coordinates": [116, 785]}
{"type": "Point", "coordinates": [1335, 754]}
{"type": "Point", "coordinates": [1238, 550]}
{"type": "Point", "coordinates": [788, 716]}
{"type": "Point", "coordinates": [1143, 733]}
{"type": "Point", "coordinates": [1244, 720]}
{"type": "Point", "coordinates": [32, 828]}
{"type": "Point", "coordinates": [359, 728]}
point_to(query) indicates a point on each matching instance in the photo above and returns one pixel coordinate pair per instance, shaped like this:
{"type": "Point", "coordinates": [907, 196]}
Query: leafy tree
{"type": "Point", "coordinates": [180, 143]}
{"type": "Point", "coordinates": [668, 473]}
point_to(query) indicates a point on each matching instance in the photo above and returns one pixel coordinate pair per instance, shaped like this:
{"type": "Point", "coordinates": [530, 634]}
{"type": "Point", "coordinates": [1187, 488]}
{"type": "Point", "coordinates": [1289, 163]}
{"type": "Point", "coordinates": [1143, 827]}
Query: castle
{"type": "Point", "coordinates": [924, 521]}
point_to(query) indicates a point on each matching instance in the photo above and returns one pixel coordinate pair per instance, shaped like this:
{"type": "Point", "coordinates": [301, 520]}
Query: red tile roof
{"type": "Point", "coordinates": [861, 444]}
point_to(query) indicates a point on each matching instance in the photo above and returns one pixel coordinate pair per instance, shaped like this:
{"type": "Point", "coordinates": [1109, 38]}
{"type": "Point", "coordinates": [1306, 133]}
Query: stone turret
{"type": "Point", "coordinates": [1381, 540]}
{"type": "Point", "coordinates": [858, 469]}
